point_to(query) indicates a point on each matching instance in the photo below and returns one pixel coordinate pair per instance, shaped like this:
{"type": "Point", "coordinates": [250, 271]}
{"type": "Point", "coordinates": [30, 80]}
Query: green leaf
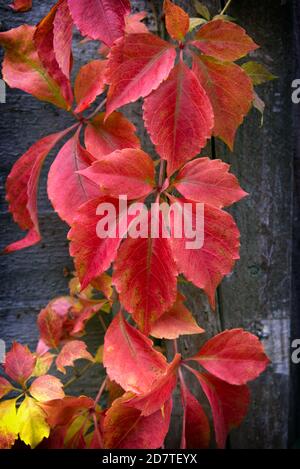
{"type": "Point", "coordinates": [258, 73]}
{"type": "Point", "coordinates": [201, 9]}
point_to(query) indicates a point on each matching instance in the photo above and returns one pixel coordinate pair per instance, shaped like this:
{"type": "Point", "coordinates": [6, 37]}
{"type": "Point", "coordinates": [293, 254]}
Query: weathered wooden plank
{"type": "Point", "coordinates": [257, 295]}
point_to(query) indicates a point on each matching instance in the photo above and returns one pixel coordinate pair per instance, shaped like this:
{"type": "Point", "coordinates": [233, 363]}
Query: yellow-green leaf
{"type": "Point", "coordinates": [194, 22]}
{"type": "Point", "coordinates": [32, 424]}
{"type": "Point", "coordinates": [258, 73]}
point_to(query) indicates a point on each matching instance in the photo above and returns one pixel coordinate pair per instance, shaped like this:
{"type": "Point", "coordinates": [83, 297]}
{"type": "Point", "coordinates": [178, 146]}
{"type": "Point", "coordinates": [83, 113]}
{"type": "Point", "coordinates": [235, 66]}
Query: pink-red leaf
{"type": "Point", "coordinates": [223, 40]}
{"type": "Point", "coordinates": [124, 172]}
{"type": "Point", "coordinates": [19, 363]}
{"type": "Point", "coordinates": [115, 133]}
{"type": "Point", "coordinates": [126, 428]}
{"type": "Point", "coordinates": [89, 83]}
{"type": "Point", "coordinates": [130, 359]}
{"type": "Point", "coordinates": [235, 356]}
{"type": "Point", "coordinates": [5, 387]}
{"type": "Point", "coordinates": [177, 20]}
{"type": "Point", "coordinates": [100, 19]}
{"type": "Point", "coordinates": [137, 64]}
{"type": "Point", "coordinates": [178, 117]}
{"type": "Point", "coordinates": [230, 91]}
{"type": "Point", "coordinates": [195, 427]}
{"type": "Point", "coordinates": [145, 277]}
{"type": "Point", "coordinates": [209, 181]}
{"type": "Point", "coordinates": [206, 266]}
{"type": "Point", "coordinates": [23, 69]}
{"type": "Point", "coordinates": [71, 351]}
{"type": "Point", "coordinates": [67, 189]}
{"type": "Point", "coordinates": [229, 404]}
{"type": "Point", "coordinates": [177, 321]}
{"type": "Point", "coordinates": [44, 42]}
{"type": "Point", "coordinates": [46, 388]}
{"type": "Point", "coordinates": [22, 185]}
{"type": "Point", "coordinates": [21, 5]}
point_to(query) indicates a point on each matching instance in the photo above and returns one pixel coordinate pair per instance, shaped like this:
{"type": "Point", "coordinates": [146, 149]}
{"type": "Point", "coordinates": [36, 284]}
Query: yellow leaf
{"type": "Point", "coordinates": [8, 423]}
{"type": "Point", "coordinates": [32, 424]}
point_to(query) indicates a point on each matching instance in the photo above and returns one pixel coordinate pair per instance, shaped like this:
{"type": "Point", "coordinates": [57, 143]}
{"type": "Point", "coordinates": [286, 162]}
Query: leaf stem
{"type": "Point", "coordinates": [226, 7]}
{"type": "Point", "coordinates": [162, 173]}
{"type": "Point", "coordinates": [100, 392]}
{"type": "Point", "coordinates": [79, 374]}
{"type": "Point", "coordinates": [98, 109]}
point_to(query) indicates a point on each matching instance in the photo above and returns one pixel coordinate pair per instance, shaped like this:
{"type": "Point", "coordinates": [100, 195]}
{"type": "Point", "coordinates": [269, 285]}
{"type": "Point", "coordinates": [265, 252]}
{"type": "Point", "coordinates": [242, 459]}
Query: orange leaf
{"type": "Point", "coordinates": [19, 363]}
{"type": "Point", "coordinates": [71, 351]}
{"type": "Point", "coordinates": [177, 20]}
{"type": "Point", "coordinates": [46, 388]}
{"type": "Point", "coordinates": [230, 91]}
{"type": "Point", "coordinates": [223, 40]}
{"type": "Point", "coordinates": [175, 322]}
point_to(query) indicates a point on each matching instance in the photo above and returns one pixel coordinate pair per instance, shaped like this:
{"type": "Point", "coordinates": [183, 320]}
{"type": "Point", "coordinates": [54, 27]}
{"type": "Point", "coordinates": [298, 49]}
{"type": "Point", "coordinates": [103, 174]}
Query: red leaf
{"type": "Point", "coordinates": [207, 265]}
{"type": "Point", "coordinates": [116, 133]}
{"type": "Point", "coordinates": [230, 91]}
{"type": "Point", "coordinates": [160, 393]}
{"type": "Point", "coordinates": [71, 351]}
{"type": "Point", "coordinates": [23, 69]}
{"type": "Point", "coordinates": [89, 83]}
{"type": "Point", "coordinates": [235, 356]}
{"type": "Point", "coordinates": [178, 117]}
{"type": "Point", "coordinates": [22, 185]}
{"type": "Point", "coordinates": [124, 172]}
{"type": "Point", "coordinates": [92, 254]}
{"type": "Point", "coordinates": [177, 21]}
{"type": "Point", "coordinates": [137, 64]}
{"type": "Point", "coordinates": [195, 427]}
{"type": "Point", "coordinates": [5, 387]}
{"type": "Point", "coordinates": [100, 19]}
{"type": "Point", "coordinates": [145, 278]}
{"type": "Point", "coordinates": [125, 428]}
{"type": "Point", "coordinates": [51, 319]}
{"type": "Point", "coordinates": [130, 359]}
{"type": "Point", "coordinates": [67, 189]}
{"type": "Point", "coordinates": [208, 181]}
{"type": "Point", "coordinates": [44, 42]}
{"type": "Point", "coordinates": [229, 404]}
{"type": "Point", "coordinates": [46, 388]}
{"type": "Point", "coordinates": [223, 40]}
{"type": "Point", "coordinates": [178, 320]}
{"type": "Point", "coordinates": [62, 411]}
{"type": "Point", "coordinates": [19, 363]}
{"type": "Point", "coordinates": [21, 5]}
{"type": "Point", "coordinates": [134, 25]}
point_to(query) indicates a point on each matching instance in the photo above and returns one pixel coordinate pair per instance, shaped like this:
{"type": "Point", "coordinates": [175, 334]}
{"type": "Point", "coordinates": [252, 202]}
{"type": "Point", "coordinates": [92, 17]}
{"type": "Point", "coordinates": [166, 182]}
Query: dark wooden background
{"type": "Point", "coordinates": [261, 294]}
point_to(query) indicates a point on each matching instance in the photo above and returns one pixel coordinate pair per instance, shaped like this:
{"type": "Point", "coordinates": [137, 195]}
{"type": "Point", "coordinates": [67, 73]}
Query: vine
{"type": "Point", "coordinates": [100, 163]}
